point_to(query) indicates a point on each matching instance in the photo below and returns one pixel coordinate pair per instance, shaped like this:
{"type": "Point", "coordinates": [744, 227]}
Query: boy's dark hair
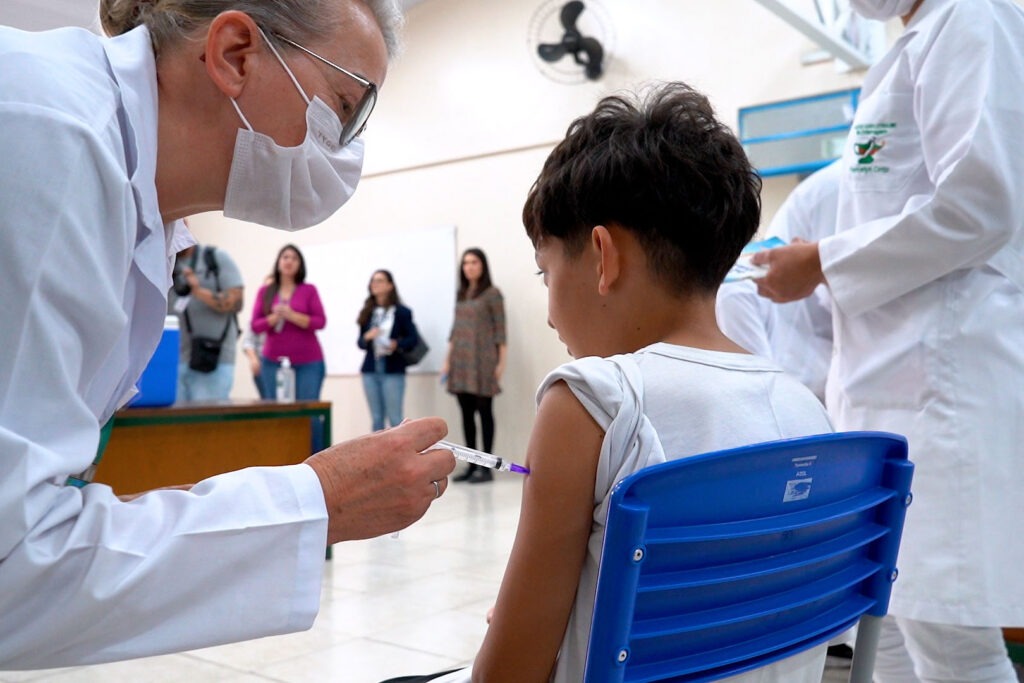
{"type": "Point", "coordinates": [662, 167]}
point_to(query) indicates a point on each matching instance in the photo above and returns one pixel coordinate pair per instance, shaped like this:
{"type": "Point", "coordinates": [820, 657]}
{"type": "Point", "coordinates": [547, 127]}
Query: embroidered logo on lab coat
{"type": "Point", "coordinates": [870, 140]}
{"type": "Point", "coordinates": [867, 150]}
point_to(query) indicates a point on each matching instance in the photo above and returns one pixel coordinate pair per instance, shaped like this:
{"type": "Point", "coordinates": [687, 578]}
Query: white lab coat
{"type": "Point", "coordinates": [927, 277]}
{"type": "Point", "coordinates": [86, 262]}
{"type": "Point", "coordinates": [796, 335]}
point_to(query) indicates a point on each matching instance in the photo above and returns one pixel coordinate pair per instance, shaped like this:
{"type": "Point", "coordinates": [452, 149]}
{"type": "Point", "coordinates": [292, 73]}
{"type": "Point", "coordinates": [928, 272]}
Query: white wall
{"type": "Point", "coordinates": [464, 124]}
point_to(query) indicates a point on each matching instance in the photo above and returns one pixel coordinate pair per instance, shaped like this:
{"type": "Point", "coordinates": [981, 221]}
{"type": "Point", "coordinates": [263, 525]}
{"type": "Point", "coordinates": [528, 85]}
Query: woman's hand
{"type": "Point", "coordinates": [255, 364]}
{"type": "Point", "coordinates": [293, 316]}
{"type": "Point", "coordinates": [793, 271]}
{"type": "Point", "coordinates": [503, 350]}
{"type": "Point", "coordinates": [392, 345]}
{"type": "Point", "coordinates": [371, 333]}
{"type": "Point", "coordinates": [499, 368]}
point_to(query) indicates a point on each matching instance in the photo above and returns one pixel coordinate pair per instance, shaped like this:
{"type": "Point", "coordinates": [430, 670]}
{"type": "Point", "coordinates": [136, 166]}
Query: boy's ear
{"type": "Point", "coordinates": [231, 42]}
{"type": "Point", "coordinates": [609, 258]}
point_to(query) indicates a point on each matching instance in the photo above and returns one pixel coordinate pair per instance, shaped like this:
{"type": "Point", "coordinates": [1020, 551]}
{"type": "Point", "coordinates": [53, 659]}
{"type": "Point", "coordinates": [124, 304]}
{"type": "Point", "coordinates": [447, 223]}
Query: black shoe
{"type": "Point", "coordinates": [839, 657]}
{"type": "Point", "coordinates": [465, 476]}
{"type": "Point", "coordinates": [481, 475]}
{"type": "Point", "coordinates": [841, 651]}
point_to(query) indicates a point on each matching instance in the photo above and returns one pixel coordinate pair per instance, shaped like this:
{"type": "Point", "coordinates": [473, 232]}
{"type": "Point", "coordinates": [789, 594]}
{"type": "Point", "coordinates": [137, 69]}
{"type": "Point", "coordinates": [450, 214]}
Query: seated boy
{"type": "Point", "coordinates": [636, 218]}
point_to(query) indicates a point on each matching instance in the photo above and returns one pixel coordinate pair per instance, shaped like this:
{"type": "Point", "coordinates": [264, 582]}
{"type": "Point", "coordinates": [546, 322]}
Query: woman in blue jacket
{"type": "Point", "coordinates": [385, 329]}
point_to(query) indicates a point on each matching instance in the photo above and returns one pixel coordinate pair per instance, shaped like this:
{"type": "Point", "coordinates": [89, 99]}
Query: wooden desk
{"type": "Point", "coordinates": [185, 443]}
{"type": "Point", "coordinates": [1015, 643]}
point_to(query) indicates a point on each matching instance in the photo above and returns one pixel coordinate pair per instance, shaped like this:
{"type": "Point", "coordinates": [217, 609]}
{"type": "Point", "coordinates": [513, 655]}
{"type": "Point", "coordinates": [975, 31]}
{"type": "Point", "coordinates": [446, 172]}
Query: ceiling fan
{"type": "Point", "coordinates": [586, 51]}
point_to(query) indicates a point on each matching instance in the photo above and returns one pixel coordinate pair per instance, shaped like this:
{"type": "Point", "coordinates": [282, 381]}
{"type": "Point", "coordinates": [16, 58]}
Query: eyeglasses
{"type": "Point", "coordinates": [355, 124]}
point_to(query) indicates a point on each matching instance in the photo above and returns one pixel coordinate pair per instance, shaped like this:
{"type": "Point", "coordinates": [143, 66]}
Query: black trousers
{"type": "Point", "coordinates": [471, 404]}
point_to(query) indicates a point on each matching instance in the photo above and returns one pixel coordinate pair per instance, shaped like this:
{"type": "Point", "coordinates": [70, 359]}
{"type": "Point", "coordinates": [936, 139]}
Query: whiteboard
{"type": "Point", "coordinates": [423, 263]}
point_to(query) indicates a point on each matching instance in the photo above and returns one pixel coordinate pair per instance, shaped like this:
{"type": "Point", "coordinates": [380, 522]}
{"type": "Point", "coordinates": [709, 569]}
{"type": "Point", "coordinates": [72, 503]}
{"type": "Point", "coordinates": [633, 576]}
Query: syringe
{"type": "Point", "coordinates": [471, 455]}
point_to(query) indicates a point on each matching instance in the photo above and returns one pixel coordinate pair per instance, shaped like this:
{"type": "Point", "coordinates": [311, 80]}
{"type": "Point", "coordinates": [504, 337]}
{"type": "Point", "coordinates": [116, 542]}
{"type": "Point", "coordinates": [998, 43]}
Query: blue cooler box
{"type": "Point", "coordinates": [158, 385]}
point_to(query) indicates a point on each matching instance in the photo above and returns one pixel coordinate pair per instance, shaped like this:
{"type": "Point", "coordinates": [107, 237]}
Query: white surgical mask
{"type": "Point", "coordinates": [292, 188]}
{"type": "Point", "coordinates": [882, 9]}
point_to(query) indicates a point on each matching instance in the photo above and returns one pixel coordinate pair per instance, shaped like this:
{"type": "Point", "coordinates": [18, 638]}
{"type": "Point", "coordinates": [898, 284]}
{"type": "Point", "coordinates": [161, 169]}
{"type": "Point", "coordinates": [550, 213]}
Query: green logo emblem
{"type": "Point", "coordinates": [867, 150]}
{"type": "Point", "coordinates": [870, 140]}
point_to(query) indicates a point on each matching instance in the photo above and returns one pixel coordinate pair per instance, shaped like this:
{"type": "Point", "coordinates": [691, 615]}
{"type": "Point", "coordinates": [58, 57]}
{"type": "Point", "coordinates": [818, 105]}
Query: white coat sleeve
{"type": "Point", "coordinates": [969, 109]}
{"type": "Point", "coordinates": [744, 316]}
{"type": "Point", "coordinates": [84, 577]}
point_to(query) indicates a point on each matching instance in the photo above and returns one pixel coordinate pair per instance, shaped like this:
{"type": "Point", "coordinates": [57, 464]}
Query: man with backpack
{"type": "Point", "coordinates": [207, 297]}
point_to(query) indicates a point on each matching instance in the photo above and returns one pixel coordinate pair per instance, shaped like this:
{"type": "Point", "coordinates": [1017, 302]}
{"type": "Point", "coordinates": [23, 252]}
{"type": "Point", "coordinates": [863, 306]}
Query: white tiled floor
{"type": "Point", "coordinates": [389, 607]}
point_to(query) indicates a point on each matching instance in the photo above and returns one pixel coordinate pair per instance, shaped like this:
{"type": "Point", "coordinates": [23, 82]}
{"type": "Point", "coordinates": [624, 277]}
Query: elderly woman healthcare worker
{"type": "Point", "coordinates": [191, 106]}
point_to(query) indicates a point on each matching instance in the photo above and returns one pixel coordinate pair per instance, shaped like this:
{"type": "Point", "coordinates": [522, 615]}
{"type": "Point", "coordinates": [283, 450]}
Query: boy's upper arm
{"type": "Point", "coordinates": [539, 587]}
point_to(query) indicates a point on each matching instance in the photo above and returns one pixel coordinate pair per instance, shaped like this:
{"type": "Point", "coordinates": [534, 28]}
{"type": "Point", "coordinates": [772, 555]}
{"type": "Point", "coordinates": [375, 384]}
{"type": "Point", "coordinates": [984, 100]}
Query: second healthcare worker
{"type": "Point", "coordinates": [926, 273]}
{"type": "Point", "coordinates": [250, 106]}
{"type": "Point", "coordinates": [796, 335]}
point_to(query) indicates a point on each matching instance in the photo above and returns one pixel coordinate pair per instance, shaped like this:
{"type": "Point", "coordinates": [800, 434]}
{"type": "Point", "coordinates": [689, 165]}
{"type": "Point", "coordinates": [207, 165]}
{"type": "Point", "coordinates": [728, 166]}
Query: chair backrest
{"type": "Point", "coordinates": [728, 561]}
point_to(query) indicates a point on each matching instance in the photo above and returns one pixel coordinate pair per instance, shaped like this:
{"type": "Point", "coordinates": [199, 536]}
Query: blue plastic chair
{"type": "Point", "coordinates": [725, 562]}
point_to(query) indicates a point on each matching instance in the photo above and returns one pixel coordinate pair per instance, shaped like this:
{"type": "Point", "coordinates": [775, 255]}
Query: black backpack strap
{"type": "Point", "coordinates": [227, 327]}
{"type": "Point", "coordinates": [207, 259]}
{"type": "Point", "coordinates": [210, 261]}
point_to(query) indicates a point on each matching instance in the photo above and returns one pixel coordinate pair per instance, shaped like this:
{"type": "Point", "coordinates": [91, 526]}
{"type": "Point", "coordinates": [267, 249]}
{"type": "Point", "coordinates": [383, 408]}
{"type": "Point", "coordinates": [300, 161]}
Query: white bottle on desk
{"type": "Point", "coordinates": [285, 381]}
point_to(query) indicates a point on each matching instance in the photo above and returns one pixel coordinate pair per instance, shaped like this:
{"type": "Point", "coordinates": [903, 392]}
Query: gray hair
{"type": "Point", "coordinates": [388, 14]}
{"type": "Point", "coordinates": [172, 21]}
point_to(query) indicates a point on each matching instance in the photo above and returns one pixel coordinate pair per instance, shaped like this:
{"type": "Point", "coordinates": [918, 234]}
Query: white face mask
{"type": "Point", "coordinates": [882, 9]}
{"type": "Point", "coordinates": [292, 188]}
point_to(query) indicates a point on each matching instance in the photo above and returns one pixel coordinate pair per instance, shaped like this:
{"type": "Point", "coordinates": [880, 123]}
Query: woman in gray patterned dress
{"type": "Point", "coordinates": [476, 353]}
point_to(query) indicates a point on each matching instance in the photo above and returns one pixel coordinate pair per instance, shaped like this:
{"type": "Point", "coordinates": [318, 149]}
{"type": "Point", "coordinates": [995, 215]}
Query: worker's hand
{"type": "Point", "coordinates": [793, 271]}
{"type": "Point", "coordinates": [380, 483]}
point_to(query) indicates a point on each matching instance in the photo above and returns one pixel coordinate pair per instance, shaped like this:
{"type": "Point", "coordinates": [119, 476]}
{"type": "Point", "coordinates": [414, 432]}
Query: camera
{"type": "Point", "coordinates": [180, 283]}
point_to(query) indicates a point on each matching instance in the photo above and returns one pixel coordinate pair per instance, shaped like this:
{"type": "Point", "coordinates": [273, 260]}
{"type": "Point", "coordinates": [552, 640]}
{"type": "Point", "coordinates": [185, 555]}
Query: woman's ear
{"type": "Point", "coordinates": [233, 43]}
{"type": "Point", "coordinates": [609, 258]}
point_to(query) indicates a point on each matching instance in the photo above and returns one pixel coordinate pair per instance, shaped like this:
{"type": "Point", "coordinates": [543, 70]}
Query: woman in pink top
{"type": "Point", "coordinates": [289, 311]}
